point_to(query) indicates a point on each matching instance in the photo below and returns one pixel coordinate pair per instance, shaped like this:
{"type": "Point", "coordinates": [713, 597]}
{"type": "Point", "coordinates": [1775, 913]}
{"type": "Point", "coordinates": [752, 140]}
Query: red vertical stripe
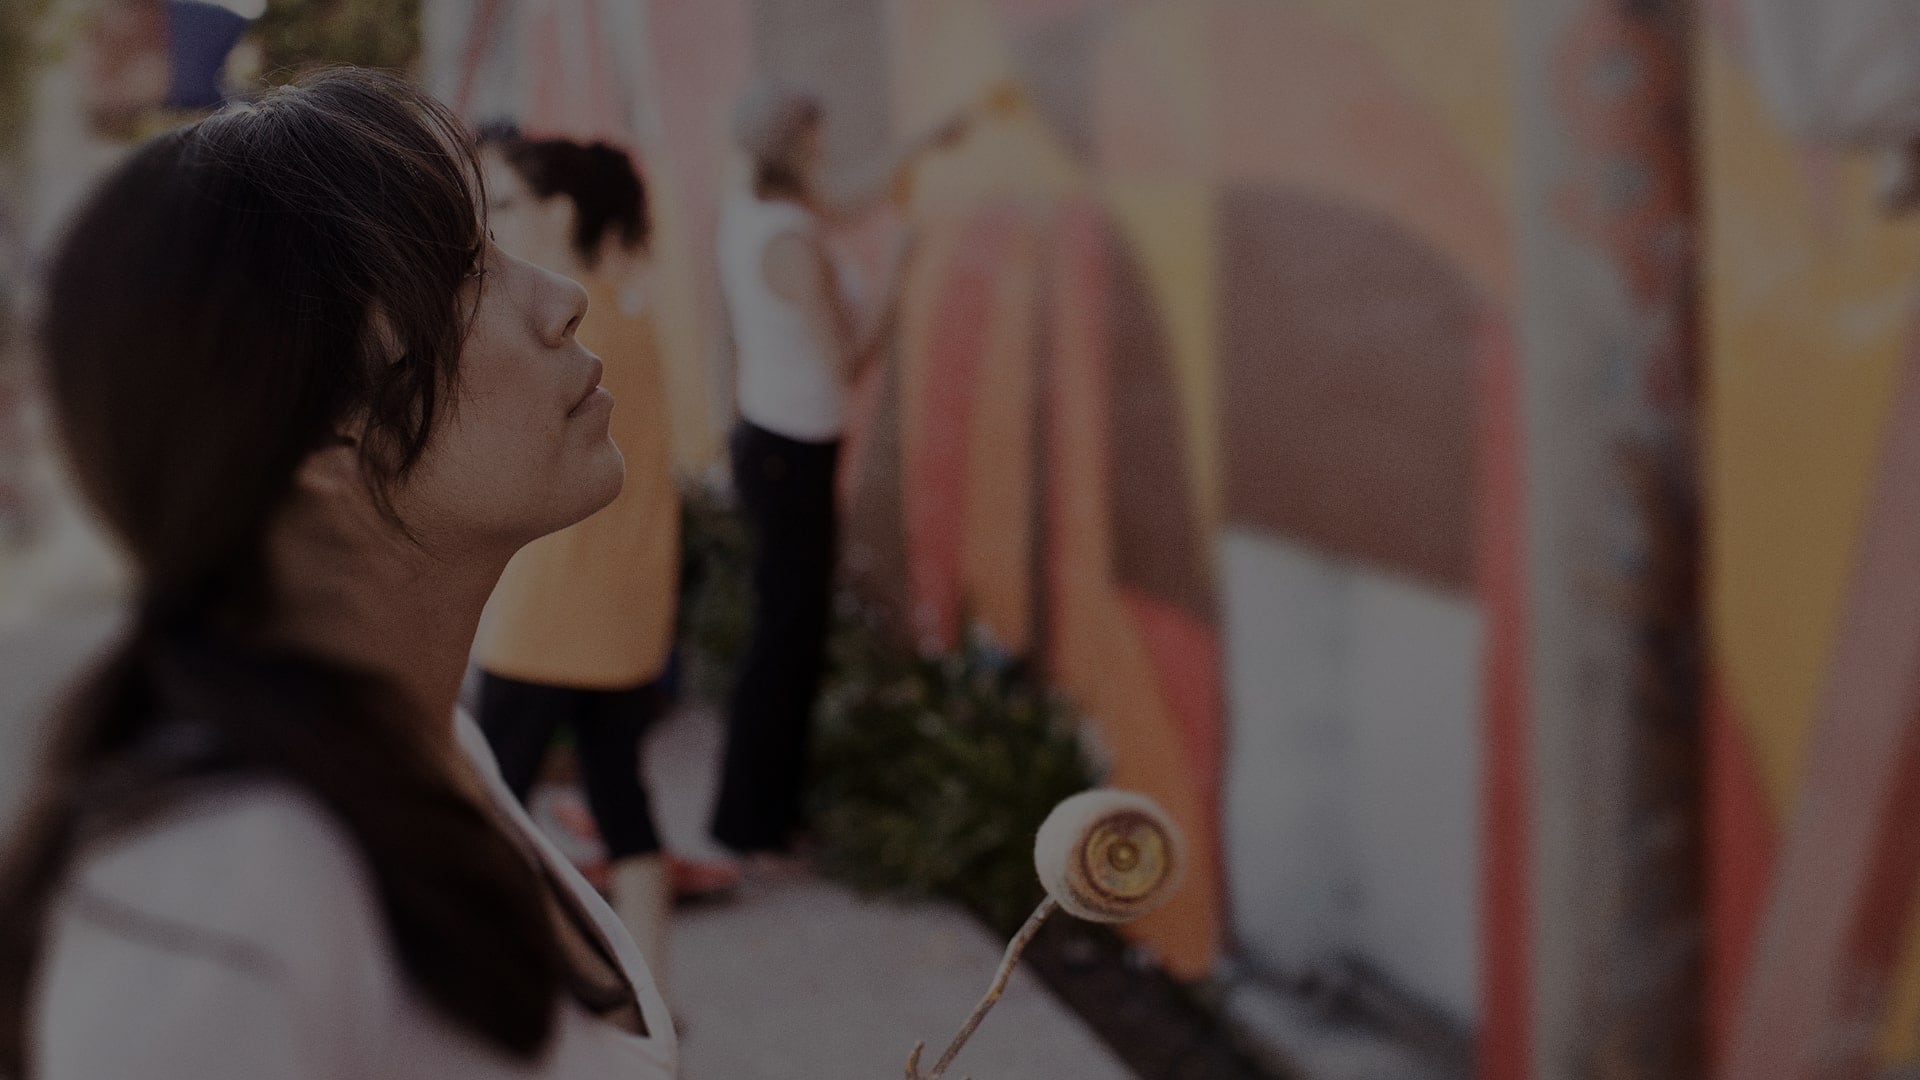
{"type": "Point", "coordinates": [1506, 985]}
{"type": "Point", "coordinates": [936, 476]}
{"type": "Point", "coordinates": [1740, 834]}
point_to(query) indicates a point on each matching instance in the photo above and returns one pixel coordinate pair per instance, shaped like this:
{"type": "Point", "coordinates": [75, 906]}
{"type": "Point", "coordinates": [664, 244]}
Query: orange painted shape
{"type": "Point", "coordinates": [1186, 657]}
{"type": "Point", "coordinates": [1099, 656]}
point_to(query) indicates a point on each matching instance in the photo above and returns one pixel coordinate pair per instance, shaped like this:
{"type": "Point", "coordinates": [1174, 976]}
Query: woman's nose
{"type": "Point", "coordinates": [566, 305]}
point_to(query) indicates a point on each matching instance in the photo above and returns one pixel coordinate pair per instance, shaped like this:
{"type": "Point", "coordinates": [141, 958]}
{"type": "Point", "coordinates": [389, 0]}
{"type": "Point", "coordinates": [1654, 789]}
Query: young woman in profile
{"type": "Point", "coordinates": [320, 412]}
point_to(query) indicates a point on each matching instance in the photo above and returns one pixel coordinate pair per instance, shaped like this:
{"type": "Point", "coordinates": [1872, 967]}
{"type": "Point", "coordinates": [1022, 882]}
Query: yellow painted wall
{"type": "Point", "coordinates": [1810, 303]}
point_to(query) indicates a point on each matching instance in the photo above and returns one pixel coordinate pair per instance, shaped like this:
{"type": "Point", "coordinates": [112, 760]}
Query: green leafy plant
{"type": "Point", "coordinates": [20, 53]}
{"type": "Point", "coordinates": [931, 775]}
{"type": "Point", "coordinates": [297, 34]}
{"type": "Point", "coordinates": [716, 592]}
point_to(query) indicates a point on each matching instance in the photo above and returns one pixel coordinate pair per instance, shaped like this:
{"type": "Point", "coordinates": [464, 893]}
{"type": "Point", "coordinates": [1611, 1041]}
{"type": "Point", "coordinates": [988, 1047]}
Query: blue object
{"type": "Point", "coordinates": [199, 37]}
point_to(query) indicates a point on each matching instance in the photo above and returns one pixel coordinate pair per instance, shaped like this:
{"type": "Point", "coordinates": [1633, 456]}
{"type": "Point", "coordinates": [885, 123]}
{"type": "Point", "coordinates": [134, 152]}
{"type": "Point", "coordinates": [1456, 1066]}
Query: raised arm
{"type": "Point", "coordinates": [876, 187]}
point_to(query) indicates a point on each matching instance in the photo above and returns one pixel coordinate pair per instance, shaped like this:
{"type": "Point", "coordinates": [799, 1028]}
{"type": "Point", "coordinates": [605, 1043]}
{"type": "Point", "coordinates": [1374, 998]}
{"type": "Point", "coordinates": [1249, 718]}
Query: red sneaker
{"type": "Point", "coordinates": [701, 880]}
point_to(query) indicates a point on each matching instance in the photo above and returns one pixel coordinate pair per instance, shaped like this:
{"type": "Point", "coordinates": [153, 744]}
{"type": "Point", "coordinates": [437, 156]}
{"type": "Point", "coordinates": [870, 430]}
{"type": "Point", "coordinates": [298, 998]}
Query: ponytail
{"type": "Point", "coordinates": [463, 905]}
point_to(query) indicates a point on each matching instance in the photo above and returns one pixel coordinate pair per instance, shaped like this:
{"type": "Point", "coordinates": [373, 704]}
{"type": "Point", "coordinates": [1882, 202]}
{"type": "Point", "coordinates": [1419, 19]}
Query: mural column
{"type": "Point", "coordinates": [1611, 881]}
{"type": "Point", "coordinates": [17, 75]}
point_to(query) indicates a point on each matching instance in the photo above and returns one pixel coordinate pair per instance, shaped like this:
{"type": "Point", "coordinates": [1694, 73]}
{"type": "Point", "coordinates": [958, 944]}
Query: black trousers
{"type": "Point", "coordinates": [786, 487]}
{"type": "Point", "coordinates": [520, 719]}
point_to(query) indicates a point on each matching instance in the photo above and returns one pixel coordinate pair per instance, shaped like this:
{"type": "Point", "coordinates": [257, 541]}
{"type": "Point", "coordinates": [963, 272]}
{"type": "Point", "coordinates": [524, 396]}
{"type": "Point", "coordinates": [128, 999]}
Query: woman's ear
{"type": "Point", "coordinates": [386, 339]}
{"type": "Point", "coordinates": [331, 470]}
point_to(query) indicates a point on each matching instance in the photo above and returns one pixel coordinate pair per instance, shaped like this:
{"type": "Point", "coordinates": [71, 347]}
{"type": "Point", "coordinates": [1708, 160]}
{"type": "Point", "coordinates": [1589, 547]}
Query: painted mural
{"type": "Point", "coordinates": [1192, 391]}
{"type": "Point", "coordinates": [1204, 398]}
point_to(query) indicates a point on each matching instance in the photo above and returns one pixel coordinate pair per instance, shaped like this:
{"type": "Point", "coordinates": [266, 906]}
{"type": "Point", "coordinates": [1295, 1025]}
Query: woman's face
{"type": "Point", "coordinates": [524, 450]}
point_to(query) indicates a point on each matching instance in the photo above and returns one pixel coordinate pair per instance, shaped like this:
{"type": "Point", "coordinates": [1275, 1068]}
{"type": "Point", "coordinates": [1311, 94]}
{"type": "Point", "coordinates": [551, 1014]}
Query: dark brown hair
{"type": "Point", "coordinates": [598, 178]}
{"type": "Point", "coordinates": [779, 178]}
{"type": "Point", "coordinates": [210, 323]}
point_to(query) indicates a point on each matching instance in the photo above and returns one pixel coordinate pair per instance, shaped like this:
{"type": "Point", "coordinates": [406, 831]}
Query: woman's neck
{"type": "Point", "coordinates": [379, 601]}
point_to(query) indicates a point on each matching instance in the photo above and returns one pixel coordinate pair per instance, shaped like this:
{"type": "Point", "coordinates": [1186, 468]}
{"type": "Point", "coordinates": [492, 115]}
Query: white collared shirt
{"type": "Point", "coordinates": [238, 936]}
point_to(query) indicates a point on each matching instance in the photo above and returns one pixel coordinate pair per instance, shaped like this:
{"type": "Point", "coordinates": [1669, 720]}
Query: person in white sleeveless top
{"type": "Point", "coordinates": [320, 411]}
{"type": "Point", "coordinates": [799, 349]}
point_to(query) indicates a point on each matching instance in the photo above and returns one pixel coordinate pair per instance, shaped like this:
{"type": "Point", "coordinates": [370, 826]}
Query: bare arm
{"type": "Point", "coordinates": [799, 270]}
{"type": "Point", "coordinates": [875, 188]}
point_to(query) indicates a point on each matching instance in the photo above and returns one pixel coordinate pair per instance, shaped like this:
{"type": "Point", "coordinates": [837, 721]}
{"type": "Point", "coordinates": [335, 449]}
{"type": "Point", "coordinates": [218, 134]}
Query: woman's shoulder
{"type": "Point", "coordinates": [254, 868]}
{"type": "Point", "coordinates": [747, 211]}
{"type": "Point", "coordinates": [229, 934]}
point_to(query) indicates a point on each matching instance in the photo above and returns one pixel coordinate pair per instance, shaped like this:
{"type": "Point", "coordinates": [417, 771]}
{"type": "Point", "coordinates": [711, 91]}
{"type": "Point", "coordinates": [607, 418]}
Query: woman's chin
{"type": "Point", "coordinates": [591, 490]}
{"type": "Point", "coordinates": [609, 476]}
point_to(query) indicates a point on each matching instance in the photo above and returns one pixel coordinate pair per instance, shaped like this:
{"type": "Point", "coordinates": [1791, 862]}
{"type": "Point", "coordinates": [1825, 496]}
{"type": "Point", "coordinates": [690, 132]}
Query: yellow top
{"type": "Point", "coordinates": [592, 606]}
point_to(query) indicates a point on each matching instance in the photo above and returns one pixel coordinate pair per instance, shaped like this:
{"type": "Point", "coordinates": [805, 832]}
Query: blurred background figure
{"type": "Point", "coordinates": [800, 348]}
{"type": "Point", "coordinates": [170, 55]}
{"type": "Point", "coordinates": [580, 628]}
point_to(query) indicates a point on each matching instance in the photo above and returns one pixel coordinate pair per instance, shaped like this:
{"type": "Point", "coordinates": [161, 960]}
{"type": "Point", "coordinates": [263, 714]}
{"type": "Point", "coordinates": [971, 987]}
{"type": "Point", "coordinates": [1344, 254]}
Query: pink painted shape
{"type": "Point", "coordinates": [1081, 288]}
{"type": "Point", "coordinates": [701, 57]}
{"type": "Point", "coordinates": [1843, 885]}
{"type": "Point", "coordinates": [481, 34]}
{"type": "Point", "coordinates": [575, 94]}
{"type": "Point", "coordinates": [549, 63]}
{"type": "Point", "coordinates": [935, 473]}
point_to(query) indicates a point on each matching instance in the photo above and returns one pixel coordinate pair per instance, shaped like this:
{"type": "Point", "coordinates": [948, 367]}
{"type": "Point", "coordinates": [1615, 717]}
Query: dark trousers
{"type": "Point", "coordinates": [520, 719]}
{"type": "Point", "coordinates": [786, 487]}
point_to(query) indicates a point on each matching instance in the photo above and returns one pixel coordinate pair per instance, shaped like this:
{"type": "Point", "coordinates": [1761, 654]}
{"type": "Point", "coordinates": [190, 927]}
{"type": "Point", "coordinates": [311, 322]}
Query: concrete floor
{"type": "Point", "coordinates": [798, 979]}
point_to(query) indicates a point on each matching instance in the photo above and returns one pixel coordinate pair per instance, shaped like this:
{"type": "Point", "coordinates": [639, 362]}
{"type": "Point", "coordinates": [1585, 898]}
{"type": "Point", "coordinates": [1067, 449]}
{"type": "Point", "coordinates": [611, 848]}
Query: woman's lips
{"type": "Point", "coordinates": [600, 396]}
{"type": "Point", "coordinates": [594, 390]}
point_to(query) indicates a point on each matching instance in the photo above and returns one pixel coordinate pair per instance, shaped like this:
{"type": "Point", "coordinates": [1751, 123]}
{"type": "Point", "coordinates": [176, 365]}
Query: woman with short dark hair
{"type": "Point", "coordinates": [320, 412]}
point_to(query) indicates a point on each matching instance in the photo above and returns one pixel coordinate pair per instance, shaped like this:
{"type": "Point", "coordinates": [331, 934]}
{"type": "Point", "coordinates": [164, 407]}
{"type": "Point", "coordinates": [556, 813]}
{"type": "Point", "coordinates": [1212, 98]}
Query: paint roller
{"type": "Point", "coordinates": [1002, 99]}
{"type": "Point", "coordinates": [1104, 855]}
